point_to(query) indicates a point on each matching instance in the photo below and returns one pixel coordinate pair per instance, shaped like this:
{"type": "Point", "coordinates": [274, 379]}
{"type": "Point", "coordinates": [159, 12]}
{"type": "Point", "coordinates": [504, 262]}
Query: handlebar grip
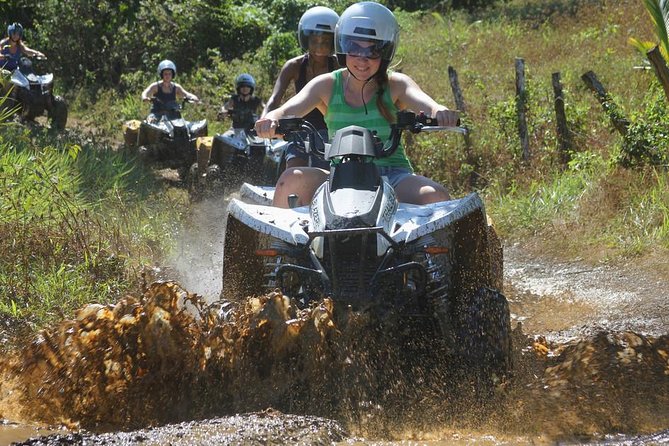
{"type": "Point", "coordinates": [288, 125]}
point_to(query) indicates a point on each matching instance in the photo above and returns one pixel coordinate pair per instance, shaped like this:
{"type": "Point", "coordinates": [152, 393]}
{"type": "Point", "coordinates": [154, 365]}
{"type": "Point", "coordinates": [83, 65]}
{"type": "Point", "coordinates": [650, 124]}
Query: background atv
{"type": "Point", "coordinates": [433, 271]}
{"type": "Point", "coordinates": [170, 141]}
{"type": "Point", "coordinates": [235, 157]}
{"type": "Point", "coordinates": [31, 95]}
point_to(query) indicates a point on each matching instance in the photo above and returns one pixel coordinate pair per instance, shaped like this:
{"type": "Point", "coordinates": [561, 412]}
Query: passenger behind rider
{"type": "Point", "coordinates": [165, 91]}
{"type": "Point", "coordinates": [12, 48]}
{"type": "Point", "coordinates": [315, 32]}
{"type": "Point", "coordinates": [242, 107]}
{"type": "Point", "coordinates": [364, 93]}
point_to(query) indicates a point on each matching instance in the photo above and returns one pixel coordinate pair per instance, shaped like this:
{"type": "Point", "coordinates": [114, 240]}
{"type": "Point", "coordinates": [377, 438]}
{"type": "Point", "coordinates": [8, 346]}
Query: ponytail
{"type": "Point", "coordinates": [381, 78]}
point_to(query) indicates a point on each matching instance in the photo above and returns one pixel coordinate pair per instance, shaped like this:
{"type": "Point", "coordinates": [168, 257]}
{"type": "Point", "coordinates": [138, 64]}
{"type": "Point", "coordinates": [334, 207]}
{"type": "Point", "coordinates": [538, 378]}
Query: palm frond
{"type": "Point", "coordinates": [659, 14]}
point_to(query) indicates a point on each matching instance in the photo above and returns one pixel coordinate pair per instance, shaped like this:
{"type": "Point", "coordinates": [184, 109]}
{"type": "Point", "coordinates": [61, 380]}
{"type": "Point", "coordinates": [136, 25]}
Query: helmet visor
{"type": "Point", "coordinates": [370, 49]}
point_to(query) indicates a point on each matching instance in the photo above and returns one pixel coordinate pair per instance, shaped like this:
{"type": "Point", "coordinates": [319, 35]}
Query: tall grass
{"type": "Point", "coordinates": [77, 224]}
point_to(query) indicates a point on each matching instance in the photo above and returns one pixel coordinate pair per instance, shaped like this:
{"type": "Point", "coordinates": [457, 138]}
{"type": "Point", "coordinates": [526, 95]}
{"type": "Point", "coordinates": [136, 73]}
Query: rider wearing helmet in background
{"type": "Point", "coordinates": [366, 94]}
{"type": "Point", "coordinates": [315, 33]}
{"type": "Point", "coordinates": [243, 106]}
{"type": "Point", "coordinates": [165, 91]}
{"type": "Point", "coordinates": [12, 48]}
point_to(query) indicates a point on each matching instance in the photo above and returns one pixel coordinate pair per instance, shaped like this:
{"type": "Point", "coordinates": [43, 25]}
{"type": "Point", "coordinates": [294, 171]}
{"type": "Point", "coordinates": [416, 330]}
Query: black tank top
{"type": "Point", "coordinates": [164, 98]}
{"type": "Point", "coordinates": [314, 116]}
{"type": "Point", "coordinates": [245, 113]}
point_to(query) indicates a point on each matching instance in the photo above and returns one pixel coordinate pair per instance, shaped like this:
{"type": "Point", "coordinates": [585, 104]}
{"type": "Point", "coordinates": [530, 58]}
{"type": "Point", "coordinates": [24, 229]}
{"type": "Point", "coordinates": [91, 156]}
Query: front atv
{"type": "Point", "coordinates": [435, 268]}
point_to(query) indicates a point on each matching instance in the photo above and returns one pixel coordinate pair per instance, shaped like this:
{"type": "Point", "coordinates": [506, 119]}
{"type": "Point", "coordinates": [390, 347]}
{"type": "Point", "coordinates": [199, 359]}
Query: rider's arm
{"type": "Point", "coordinates": [181, 92]}
{"type": "Point", "coordinates": [225, 108]}
{"type": "Point", "coordinates": [410, 96]}
{"type": "Point", "coordinates": [149, 91]}
{"type": "Point", "coordinates": [316, 94]}
{"type": "Point", "coordinates": [288, 73]}
{"type": "Point", "coordinates": [30, 52]}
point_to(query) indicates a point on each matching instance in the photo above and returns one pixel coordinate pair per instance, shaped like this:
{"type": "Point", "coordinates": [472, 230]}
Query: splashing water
{"type": "Point", "coordinates": [166, 356]}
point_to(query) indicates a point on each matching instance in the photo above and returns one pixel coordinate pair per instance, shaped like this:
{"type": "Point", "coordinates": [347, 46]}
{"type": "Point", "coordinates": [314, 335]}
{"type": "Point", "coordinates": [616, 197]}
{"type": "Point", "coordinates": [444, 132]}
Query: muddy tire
{"type": "Point", "coordinates": [483, 336]}
{"type": "Point", "coordinates": [215, 184]}
{"type": "Point", "coordinates": [195, 187]}
{"type": "Point", "coordinates": [242, 269]}
{"type": "Point", "coordinates": [58, 113]}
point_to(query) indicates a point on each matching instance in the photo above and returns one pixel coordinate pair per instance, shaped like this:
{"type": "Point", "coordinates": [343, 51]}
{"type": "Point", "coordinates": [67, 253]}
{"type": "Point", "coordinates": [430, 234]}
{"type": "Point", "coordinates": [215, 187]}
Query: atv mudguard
{"type": "Point", "coordinates": [460, 224]}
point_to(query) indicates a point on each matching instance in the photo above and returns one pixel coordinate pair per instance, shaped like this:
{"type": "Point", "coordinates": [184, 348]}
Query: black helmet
{"type": "Point", "coordinates": [245, 80]}
{"type": "Point", "coordinates": [15, 28]}
{"type": "Point", "coordinates": [167, 65]}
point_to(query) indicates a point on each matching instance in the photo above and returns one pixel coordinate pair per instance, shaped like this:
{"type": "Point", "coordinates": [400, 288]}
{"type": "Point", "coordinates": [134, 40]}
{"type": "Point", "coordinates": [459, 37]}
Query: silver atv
{"type": "Point", "coordinates": [437, 267]}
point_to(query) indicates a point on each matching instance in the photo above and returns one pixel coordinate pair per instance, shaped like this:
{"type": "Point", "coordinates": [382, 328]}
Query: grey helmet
{"type": "Point", "coordinates": [167, 65]}
{"type": "Point", "coordinates": [370, 22]}
{"type": "Point", "coordinates": [15, 28]}
{"type": "Point", "coordinates": [245, 80]}
{"type": "Point", "coordinates": [318, 19]}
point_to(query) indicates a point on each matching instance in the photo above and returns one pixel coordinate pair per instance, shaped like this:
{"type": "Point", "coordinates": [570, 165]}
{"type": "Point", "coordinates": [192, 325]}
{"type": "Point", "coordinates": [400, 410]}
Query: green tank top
{"type": "Point", "coordinates": [339, 115]}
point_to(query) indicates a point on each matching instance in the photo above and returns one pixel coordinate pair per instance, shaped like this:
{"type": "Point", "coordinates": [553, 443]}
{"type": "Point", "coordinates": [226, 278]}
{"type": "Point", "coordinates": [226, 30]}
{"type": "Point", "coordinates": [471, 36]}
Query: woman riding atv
{"type": "Point", "coordinates": [315, 32]}
{"type": "Point", "coordinates": [364, 93]}
{"type": "Point", "coordinates": [12, 48]}
{"type": "Point", "coordinates": [165, 91]}
{"type": "Point", "coordinates": [242, 107]}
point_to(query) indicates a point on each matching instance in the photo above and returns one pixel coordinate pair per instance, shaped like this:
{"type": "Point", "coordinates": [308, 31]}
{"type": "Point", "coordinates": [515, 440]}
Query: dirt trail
{"type": "Point", "coordinates": [570, 299]}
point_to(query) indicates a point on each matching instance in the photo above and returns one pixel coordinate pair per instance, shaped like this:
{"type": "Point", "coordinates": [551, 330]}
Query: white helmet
{"type": "Point", "coordinates": [370, 22]}
{"type": "Point", "coordinates": [318, 19]}
{"type": "Point", "coordinates": [167, 65]}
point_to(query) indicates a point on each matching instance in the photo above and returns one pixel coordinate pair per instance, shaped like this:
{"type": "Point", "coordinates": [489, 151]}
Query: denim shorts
{"type": "Point", "coordinates": [394, 175]}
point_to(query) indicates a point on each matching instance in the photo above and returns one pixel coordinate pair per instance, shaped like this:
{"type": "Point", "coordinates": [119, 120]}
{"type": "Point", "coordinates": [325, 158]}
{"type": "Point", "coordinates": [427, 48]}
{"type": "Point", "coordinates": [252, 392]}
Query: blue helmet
{"type": "Point", "coordinates": [245, 80]}
{"type": "Point", "coordinates": [15, 28]}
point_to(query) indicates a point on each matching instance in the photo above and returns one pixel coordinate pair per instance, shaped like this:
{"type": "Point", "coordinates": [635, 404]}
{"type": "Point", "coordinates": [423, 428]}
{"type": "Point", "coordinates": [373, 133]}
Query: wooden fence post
{"type": "Point", "coordinates": [460, 104]}
{"type": "Point", "coordinates": [563, 135]}
{"type": "Point", "coordinates": [661, 70]}
{"type": "Point", "coordinates": [617, 119]}
{"type": "Point", "coordinates": [521, 107]}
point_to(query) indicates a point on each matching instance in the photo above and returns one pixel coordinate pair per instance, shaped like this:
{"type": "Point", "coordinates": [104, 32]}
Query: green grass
{"type": "Point", "coordinates": [77, 224]}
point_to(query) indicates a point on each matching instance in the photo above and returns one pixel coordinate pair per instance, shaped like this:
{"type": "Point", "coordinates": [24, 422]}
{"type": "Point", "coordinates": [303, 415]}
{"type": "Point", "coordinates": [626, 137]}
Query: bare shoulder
{"type": "Point", "coordinates": [292, 66]}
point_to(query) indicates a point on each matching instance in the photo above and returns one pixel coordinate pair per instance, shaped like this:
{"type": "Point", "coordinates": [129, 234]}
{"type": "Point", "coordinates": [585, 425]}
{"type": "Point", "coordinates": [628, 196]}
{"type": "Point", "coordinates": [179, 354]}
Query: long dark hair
{"type": "Point", "coordinates": [381, 78]}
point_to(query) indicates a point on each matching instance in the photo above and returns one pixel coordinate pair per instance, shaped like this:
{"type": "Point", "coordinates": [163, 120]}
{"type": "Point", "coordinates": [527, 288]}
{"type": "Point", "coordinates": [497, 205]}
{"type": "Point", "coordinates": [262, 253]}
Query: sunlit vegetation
{"type": "Point", "coordinates": [80, 219]}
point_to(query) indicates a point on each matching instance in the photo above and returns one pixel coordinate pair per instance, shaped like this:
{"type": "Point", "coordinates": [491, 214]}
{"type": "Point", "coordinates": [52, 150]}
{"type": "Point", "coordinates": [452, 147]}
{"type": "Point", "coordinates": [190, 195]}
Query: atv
{"type": "Point", "coordinates": [244, 157]}
{"type": "Point", "coordinates": [169, 141]}
{"type": "Point", "coordinates": [31, 95]}
{"type": "Point", "coordinates": [437, 265]}
{"type": "Point", "coordinates": [235, 157]}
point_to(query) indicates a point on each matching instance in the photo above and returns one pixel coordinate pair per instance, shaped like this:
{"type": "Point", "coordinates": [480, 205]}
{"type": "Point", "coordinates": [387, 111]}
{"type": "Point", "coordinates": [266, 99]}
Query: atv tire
{"type": "Point", "coordinates": [58, 113]}
{"type": "Point", "coordinates": [242, 269]}
{"type": "Point", "coordinates": [483, 336]}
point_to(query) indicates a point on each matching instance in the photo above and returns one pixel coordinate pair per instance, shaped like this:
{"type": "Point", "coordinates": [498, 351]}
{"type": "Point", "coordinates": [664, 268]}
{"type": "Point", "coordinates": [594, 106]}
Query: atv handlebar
{"type": "Point", "coordinates": [294, 129]}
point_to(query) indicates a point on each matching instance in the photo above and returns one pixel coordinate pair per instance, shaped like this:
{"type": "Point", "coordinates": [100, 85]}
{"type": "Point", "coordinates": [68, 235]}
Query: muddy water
{"type": "Point", "coordinates": [591, 366]}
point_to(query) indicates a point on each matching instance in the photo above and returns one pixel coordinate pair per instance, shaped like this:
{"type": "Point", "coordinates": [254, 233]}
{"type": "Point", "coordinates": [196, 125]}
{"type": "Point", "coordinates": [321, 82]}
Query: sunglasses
{"type": "Point", "coordinates": [352, 48]}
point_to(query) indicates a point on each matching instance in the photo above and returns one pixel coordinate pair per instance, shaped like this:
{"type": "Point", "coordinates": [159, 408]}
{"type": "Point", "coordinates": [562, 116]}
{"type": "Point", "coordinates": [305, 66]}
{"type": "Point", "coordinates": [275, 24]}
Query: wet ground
{"type": "Point", "coordinates": [591, 367]}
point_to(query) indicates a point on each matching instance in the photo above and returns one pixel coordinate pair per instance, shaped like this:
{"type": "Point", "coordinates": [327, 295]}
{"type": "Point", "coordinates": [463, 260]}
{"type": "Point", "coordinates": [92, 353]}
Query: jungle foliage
{"type": "Point", "coordinates": [96, 43]}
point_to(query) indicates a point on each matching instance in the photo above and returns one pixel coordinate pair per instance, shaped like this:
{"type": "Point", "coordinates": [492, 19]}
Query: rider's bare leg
{"type": "Point", "coordinates": [417, 189]}
{"type": "Point", "coordinates": [301, 181]}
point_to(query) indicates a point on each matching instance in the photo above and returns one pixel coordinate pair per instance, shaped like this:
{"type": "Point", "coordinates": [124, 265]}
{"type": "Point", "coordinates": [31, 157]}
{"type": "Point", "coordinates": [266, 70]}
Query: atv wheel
{"type": "Point", "coordinates": [215, 185]}
{"type": "Point", "coordinates": [242, 269]}
{"type": "Point", "coordinates": [483, 335]}
{"type": "Point", "coordinates": [193, 184]}
{"type": "Point", "coordinates": [58, 113]}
